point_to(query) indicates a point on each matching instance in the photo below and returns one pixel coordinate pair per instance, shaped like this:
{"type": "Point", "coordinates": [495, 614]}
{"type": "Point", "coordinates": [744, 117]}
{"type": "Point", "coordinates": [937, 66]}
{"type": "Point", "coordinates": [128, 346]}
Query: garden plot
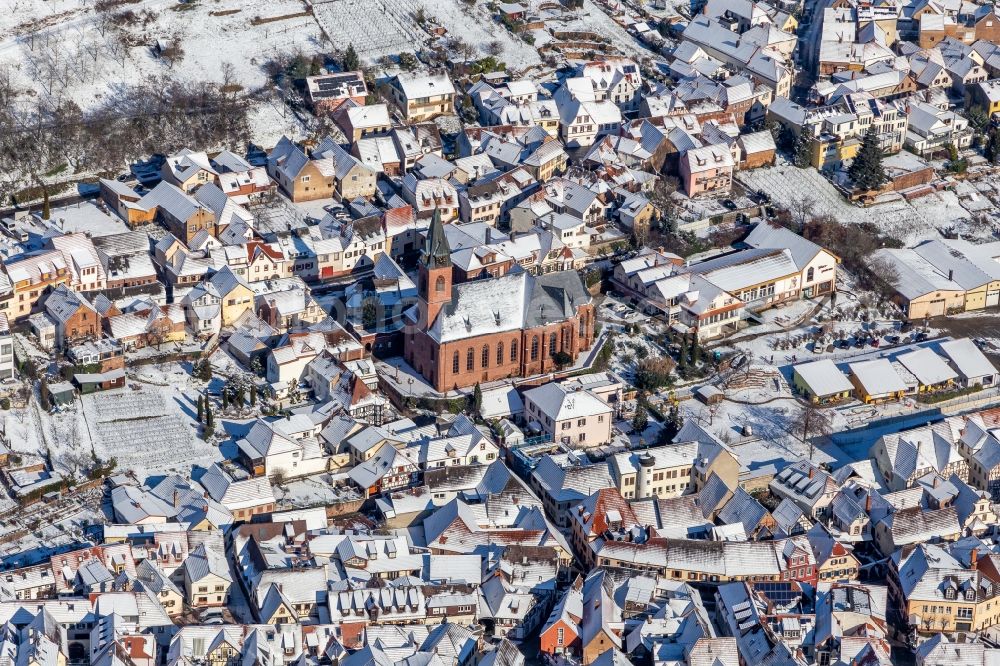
{"type": "Point", "coordinates": [628, 351]}
{"type": "Point", "coordinates": [776, 428]}
{"type": "Point", "coordinates": [386, 28]}
{"type": "Point", "coordinates": [591, 18]}
{"type": "Point", "coordinates": [910, 222]}
{"type": "Point", "coordinates": [144, 431]}
{"type": "Point", "coordinates": [475, 25]}
{"type": "Point", "coordinates": [376, 29]}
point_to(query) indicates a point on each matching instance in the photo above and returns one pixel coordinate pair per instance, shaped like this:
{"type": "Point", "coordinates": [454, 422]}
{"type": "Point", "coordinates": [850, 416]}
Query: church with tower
{"type": "Point", "coordinates": [516, 325]}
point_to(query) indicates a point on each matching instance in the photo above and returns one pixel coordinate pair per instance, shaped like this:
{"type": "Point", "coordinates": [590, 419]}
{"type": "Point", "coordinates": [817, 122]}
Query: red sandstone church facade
{"type": "Point", "coordinates": [484, 330]}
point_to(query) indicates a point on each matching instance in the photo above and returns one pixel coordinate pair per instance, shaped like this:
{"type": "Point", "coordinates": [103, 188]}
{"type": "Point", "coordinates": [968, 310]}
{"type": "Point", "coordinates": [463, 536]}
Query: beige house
{"type": "Point", "coordinates": [301, 178]}
{"type": "Point", "coordinates": [206, 577]}
{"type": "Point", "coordinates": [945, 594]}
{"type": "Point", "coordinates": [158, 583]}
{"type": "Point", "coordinates": [352, 178]}
{"type": "Point", "coordinates": [673, 470]}
{"type": "Point", "coordinates": [548, 160]}
{"type": "Point", "coordinates": [817, 266]}
{"type": "Point", "coordinates": [921, 289]}
{"type": "Point", "coordinates": [218, 301]}
{"type": "Point", "coordinates": [572, 417]}
{"type": "Point", "coordinates": [188, 170]}
{"type": "Point", "coordinates": [358, 121]}
{"type": "Point", "coordinates": [423, 96]}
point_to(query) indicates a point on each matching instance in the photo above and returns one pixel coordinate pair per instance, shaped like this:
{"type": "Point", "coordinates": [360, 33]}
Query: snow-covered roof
{"type": "Point", "coordinates": [877, 377]}
{"type": "Point", "coordinates": [513, 302]}
{"type": "Point", "coordinates": [417, 86]}
{"type": "Point", "coordinates": [773, 236]}
{"type": "Point", "coordinates": [736, 271]}
{"type": "Point", "coordinates": [824, 377]}
{"type": "Point", "coordinates": [927, 367]}
{"type": "Point", "coordinates": [204, 561]}
{"type": "Point", "coordinates": [559, 404]}
{"type": "Point", "coordinates": [967, 359]}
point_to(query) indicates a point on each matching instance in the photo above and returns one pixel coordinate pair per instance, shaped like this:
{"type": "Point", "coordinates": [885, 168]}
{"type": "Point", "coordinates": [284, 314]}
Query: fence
{"type": "Point", "coordinates": [873, 429]}
{"type": "Point", "coordinates": [931, 414]}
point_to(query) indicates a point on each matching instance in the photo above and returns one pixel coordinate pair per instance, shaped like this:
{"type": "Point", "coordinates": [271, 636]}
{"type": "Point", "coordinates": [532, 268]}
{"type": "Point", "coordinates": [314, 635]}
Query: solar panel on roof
{"type": "Point", "coordinates": [782, 594]}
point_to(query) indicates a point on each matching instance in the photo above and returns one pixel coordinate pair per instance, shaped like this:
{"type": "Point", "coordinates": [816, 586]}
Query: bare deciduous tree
{"type": "Point", "coordinates": [884, 275]}
{"type": "Point", "coordinates": [815, 423]}
{"type": "Point", "coordinates": [802, 209]}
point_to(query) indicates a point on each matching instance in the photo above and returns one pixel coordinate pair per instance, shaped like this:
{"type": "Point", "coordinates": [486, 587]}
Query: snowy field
{"type": "Point", "coordinates": [379, 28]}
{"type": "Point", "coordinates": [216, 35]}
{"type": "Point", "coordinates": [66, 50]}
{"type": "Point", "coordinates": [911, 222]}
{"type": "Point", "coordinates": [375, 27]}
{"type": "Point", "coordinates": [270, 120]}
{"type": "Point", "coordinates": [147, 431]}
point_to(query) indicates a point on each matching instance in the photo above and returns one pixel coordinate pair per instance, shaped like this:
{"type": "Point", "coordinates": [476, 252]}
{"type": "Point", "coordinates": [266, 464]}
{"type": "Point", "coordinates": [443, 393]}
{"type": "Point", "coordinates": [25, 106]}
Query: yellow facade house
{"type": "Point", "coordinates": [876, 381]}
{"type": "Point", "coordinates": [922, 289]}
{"type": "Point", "coordinates": [932, 371]}
{"type": "Point", "coordinates": [821, 382]}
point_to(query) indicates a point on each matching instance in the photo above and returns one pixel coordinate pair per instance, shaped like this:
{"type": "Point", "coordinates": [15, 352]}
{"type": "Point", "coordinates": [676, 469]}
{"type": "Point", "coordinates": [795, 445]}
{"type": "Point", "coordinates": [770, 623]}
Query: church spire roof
{"type": "Point", "coordinates": [437, 252]}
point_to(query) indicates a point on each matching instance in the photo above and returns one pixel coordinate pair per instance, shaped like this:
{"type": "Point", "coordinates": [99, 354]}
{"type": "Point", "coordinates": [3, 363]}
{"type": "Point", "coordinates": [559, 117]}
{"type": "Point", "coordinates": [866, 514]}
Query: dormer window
{"type": "Point", "coordinates": [949, 593]}
{"type": "Point", "coordinates": [970, 595]}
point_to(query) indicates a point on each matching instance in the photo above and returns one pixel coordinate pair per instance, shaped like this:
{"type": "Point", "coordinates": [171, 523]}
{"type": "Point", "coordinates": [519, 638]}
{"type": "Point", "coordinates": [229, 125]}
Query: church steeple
{"type": "Point", "coordinates": [435, 271]}
{"type": "Point", "coordinates": [437, 252]}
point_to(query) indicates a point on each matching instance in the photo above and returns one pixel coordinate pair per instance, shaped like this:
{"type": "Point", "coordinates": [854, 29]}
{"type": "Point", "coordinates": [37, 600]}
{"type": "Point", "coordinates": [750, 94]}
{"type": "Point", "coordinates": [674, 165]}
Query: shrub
{"type": "Point", "coordinates": [652, 374]}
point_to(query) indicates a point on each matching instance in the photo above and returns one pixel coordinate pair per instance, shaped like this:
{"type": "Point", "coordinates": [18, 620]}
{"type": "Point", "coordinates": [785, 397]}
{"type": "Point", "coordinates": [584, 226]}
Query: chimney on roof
{"type": "Point", "coordinates": [812, 472]}
{"type": "Point", "coordinates": [951, 273]}
{"type": "Point", "coordinates": [177, 499]}
{"type": "Point", "coordinates": [868, 503]}
{"type": "Point", "coordinates": [974, 559]}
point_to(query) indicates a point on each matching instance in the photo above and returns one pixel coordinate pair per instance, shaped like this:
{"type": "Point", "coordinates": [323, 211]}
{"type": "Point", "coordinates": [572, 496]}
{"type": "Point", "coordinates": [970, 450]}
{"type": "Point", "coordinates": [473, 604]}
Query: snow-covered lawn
{"type": "Point", "coordinates": [215, 36]}
{"type": "Point", "coordinates": [775, 436]}
{"type": "Point", "coordinates": [270, 120]}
